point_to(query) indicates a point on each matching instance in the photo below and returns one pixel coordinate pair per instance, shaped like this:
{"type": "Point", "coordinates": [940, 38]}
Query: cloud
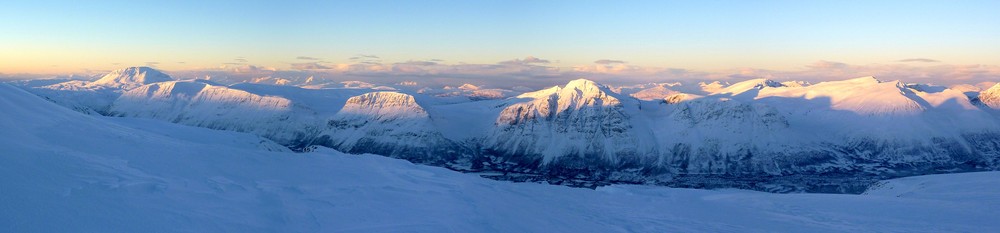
{"type": "Point", "coordinates": [99, 71]}
{"type": "Point", "coordinates": [985, 85]}
{"type": "Point", "coordinates": [417, 63]}
{"type": "Point", "coordinates": [827, 65]}
{"type": "Point", "coordinates": [241, 60]}
{"type": "Point", "coordinates": [309, 66]}
{"type": "Point", "coordinates": [152, 63]}
{"type": "Point", "coordinates": [181, 62]}
{"type": "Point", "coordinates": [364, 57]}
{"type": "Point", "coordinates": [529, 60]}
{"type": "Point", "coordinates": [926, 60]}
{"type": "Point", "coordinates": [307, 58]}
{"type": "Point", "coordinates": [607, 62]}
{"type": "Point", "coordinates": [612, 68]}
{"type": "Point", "coordinates": [942, 74]}
{"type": "Point", "coordinates": [239, 68]}
{"type": "Point", "coordinates": [534, 72]}
{"type": "Point", "coordinates": [618, 67]}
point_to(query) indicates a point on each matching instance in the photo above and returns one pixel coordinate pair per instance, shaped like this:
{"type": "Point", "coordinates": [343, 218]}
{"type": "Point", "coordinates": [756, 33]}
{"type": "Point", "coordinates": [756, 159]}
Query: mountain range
{"type": "Point", "coordinates": [93, 173]}
{"type": "Point", "coordinates": [835, 136]}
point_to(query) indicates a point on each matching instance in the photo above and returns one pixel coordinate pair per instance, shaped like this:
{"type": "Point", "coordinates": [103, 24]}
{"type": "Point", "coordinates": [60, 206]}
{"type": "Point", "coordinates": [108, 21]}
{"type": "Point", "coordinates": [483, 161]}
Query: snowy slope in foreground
{"type": "Point", "coordinates": [89, 174]}
{"type": "Point", "coordinates": [981, 185]}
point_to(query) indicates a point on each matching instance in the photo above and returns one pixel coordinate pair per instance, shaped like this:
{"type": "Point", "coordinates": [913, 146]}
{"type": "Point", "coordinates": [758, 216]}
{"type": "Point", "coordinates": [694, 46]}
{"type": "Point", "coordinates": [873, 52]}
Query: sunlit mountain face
{"type": "Point", "coordinates": [514, 116]}
{"type": "Point", "coordinates": [833, 136]}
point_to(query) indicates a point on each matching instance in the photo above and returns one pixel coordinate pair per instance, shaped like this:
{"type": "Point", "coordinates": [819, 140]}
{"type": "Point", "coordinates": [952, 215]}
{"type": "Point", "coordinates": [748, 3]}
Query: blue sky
{"type": "Point", "coordinates": [71, 36]}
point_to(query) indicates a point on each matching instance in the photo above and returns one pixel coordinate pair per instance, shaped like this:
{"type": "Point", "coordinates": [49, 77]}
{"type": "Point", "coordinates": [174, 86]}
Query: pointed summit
{"type": "Point", "coordinates": [796, 83]}
{"type": "Point", "coordinates": [585, 88]}
{"type": "Point", "coordinates": [712, 87]}
{"type": "Point", "coordinates": [468, 87]}
{"type": "Point", "coordinates": [579, 88]}
{"type": "Point", "coordinates": [580, 118]}
{"type": "Point", "coordinates": [990, 97]}
{"type": "Point", "coordinates": [583, 85]}
{"type": "Point", "coordinates": [994, 89]}
{"type": "Point", "coordinates": [131, 77]}
{"type": "Point", "coordinates": [753, 84]}
{"type": "Point", "coordinates": [866, 79]}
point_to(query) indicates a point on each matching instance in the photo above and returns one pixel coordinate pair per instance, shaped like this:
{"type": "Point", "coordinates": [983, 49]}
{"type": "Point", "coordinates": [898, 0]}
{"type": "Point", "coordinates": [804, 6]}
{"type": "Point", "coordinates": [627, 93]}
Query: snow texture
{"type": "Point", "coordinates": [760, 132]}
{"type": "Point", "coordinates": [69, 172]}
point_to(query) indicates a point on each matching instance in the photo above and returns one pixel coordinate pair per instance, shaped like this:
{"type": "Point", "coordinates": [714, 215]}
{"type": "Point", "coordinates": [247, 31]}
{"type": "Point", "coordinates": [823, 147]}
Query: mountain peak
{"type": "Point", "coordinates": [468, 87]}
{"type": "Point", "coordinates": [581, 84]}
{"type": "Point", "coordinates": [381, 105]}
{"type": "Point", "coordinates": [866, 79]}
{"type": "Point", "coordinates": [990, 97]}
{"type": "Point", "coordinates": [582, 92]}
{"type": "Point", "coordinates": [753, 84]}
{"type": "Point", "coordinates": [579, 87]}
{"type": "Point", "coordinates": [383, 99]}
{"type": "Point", "coordinates": [132, 77]}
{"type": "Point", "coordinates": [794, 83]}
{"type": "Point", "coordinates": [994, 89]}
{"type": "Point", "coordinates": [584, 88]}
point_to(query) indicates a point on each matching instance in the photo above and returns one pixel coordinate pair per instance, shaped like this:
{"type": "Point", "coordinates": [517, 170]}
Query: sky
{"type": "Point", "coordinates": [939, 40]}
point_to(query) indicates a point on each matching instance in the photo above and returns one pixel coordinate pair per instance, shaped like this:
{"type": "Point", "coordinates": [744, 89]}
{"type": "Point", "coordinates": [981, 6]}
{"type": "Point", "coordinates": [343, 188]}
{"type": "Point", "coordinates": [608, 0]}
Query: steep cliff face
{"type": "Point", "coordinates": [718, 136]}
{"type": "Point", "coordinates": [388, 123]}
{"type": "Point", "coordinates": [580, 126]}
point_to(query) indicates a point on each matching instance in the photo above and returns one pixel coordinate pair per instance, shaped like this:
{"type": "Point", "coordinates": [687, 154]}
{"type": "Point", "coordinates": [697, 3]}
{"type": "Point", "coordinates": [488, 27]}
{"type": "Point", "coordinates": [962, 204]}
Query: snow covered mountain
{"type": "Point", "coordinates": [95, 97]}
{"type": "Point", "coordinates": [388, 123]}
{"type": "Point", "coordinates": [835, 136]}
{"type": "Point", "coordinates": [131, 77]}
{"type": "Point", "coordinates": [581, 127]}
{"type": "Point", "coordinates": [747, 86]}
{"type": "Point", "coordinates": [472, 92]}
{"type": "Point", "coordinates": [658, 92]}
{"type": "Point", "coordinates": [107, 174]}
{"type": "Point", "coordinates": [990, 97]}
{"type": "Point", "coordinates": [202, 104]}
{"type": "Point", "coordinates": [860, 126]}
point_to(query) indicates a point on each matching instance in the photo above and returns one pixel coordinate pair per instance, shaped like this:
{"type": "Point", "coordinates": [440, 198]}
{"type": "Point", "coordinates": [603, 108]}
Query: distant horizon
{"type": "Point", "coordinates": [541, 76]}
{"type": "Point", "coordinates": [497, 42]}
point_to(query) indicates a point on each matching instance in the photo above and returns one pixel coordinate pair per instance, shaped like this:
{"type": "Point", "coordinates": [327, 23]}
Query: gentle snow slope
{"type": "Point", "coordinates": [67, 172]}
